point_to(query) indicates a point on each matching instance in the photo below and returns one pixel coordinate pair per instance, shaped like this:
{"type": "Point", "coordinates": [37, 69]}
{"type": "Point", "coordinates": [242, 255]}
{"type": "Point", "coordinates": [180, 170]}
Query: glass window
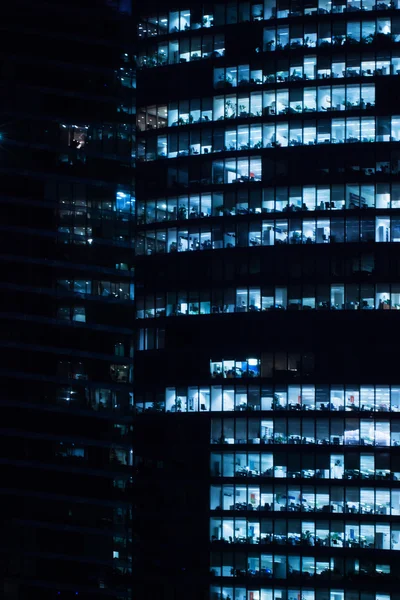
{"type": "Point", "coordinates": [367, 129]}
{"type": "Point", "coordinates": [323, 131]}
{"type": "Point", "coordinates": [310, 67]}
{"type": "Point", "coordinates": [324, 98]}
{"type": "Point", "coordinates": [269, 38]}
{"type": "Point", "coordinates": [282, 134]}
{"type": "Point", "coordinates": [173, 22]}
{"type": "Point", "coordinates": [310, 104]}
{"type": "Point", "coordinates": [352, 130]}
{"type": "Point", "coordinates": [282, 102]}
{"type": "Point", "coordinates": [310, 133]}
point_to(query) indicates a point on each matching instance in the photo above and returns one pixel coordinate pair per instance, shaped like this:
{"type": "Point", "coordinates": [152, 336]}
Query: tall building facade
{"type": "Point", "coordinates": [67, 205]}
{"type": "Point", "coordinates": [267, 271]}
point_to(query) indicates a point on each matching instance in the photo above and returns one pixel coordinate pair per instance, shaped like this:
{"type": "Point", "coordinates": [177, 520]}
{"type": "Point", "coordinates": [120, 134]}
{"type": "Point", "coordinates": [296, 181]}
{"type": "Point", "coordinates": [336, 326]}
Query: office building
{"type": "Point", "coordinates": [67, 205]}
{"type": "Point", "coordinates": [267, 392]}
